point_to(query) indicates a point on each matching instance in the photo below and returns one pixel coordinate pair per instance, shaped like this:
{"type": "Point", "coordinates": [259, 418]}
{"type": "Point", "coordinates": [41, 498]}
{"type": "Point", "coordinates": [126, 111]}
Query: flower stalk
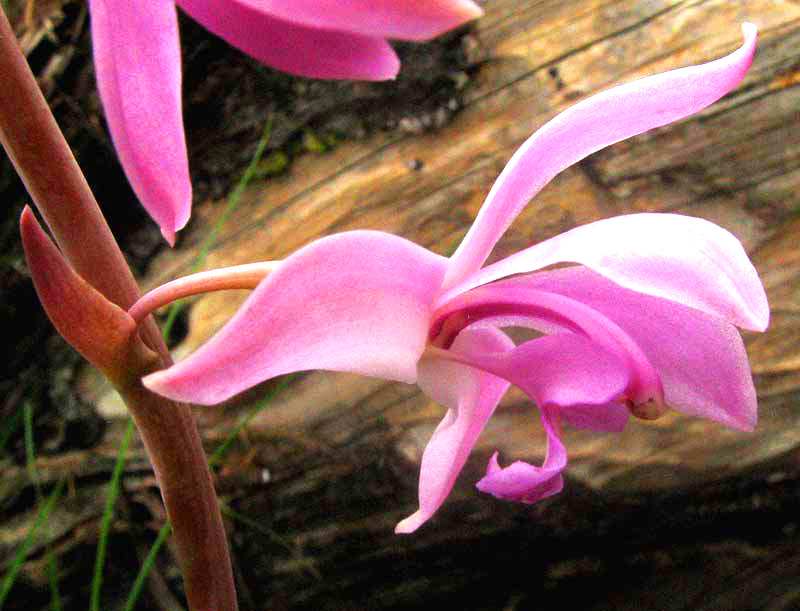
{"type": "Point", "coordinates": [245, 277]}
{"type": "Point", "coordinates": [93, 269]}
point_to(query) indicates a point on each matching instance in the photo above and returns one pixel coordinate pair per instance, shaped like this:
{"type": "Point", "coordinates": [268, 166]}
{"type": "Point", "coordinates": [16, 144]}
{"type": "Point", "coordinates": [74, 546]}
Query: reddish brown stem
{"type": "Point", "coordinates": [46, 165]}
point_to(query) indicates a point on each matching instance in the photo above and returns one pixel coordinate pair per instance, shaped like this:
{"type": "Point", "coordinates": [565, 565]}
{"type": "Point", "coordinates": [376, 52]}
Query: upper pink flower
{"type": "Point", "coordinates": [645, 320]}
{"type": "Point", "coordinates": [138, 65]}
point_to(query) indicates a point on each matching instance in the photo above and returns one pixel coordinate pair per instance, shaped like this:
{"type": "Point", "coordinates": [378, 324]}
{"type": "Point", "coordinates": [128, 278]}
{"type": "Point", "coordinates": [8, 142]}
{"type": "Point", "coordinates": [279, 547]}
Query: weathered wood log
{"type": "Point", "coordinates": [673, 514]}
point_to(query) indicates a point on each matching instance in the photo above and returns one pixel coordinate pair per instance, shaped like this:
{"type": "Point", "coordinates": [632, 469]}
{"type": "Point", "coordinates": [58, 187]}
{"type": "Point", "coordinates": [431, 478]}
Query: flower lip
{"type": "Point", "coordinates": [501, 305]}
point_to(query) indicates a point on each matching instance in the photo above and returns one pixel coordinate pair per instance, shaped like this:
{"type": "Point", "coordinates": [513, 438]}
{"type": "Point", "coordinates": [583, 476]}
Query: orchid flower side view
{"type": "Point", "coordinates": [138, 65]}
{"type": "Point", "coordinates": [79, 272]}
{"type": "Point", "coordinates": [644, 322]}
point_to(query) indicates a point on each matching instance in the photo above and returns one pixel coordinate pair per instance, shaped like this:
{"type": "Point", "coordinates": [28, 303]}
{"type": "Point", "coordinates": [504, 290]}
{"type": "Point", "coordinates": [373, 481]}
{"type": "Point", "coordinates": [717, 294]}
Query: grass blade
{"type": "Point", "coordinates": [30, 459]}
{"type": "Point", "coordinates": [147, 565]}
{"type": "Point", "coordinates": [22, 553]}
{"type": "Point", "coordinates": [233, 201]}
{"type": "Point", "coordinates": [213, 460]}
{"type": "Point", "coordinates": [216, 456]}
{"type": "Point", "coordinates": [52, 575]}
{"type": "Point", "coordinates": [9, 428]}
{"type": "Point", "coordinates": [306, 563]}
{"type": "Point", "coordinates": [30, 450]}
{"type": "Point", "coordinates": [108, 514]}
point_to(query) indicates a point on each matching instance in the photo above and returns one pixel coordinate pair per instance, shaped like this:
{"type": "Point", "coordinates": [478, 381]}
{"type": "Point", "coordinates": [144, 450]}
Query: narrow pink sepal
{"type": "Point", "coordinates": [138, 64]}
{"type": "Point", "coordinates": [298, 49]}
{"type": "Point", "coordinates": [684, 259]}
{"type": "Point", "coordinates": [94, 326]}
{"type": "Point", "coordinates": [357, 302]}
{"type": "Point", "coordinates": [526, 483]}
{"type": "Point", "coordinates": [400, 19]}
{"type": "Point", "coordinates": [471, 396]}
{"type": "Point", "coordinates": [700, 359]}
{"type": "Point", "coordinates": [587, 127]}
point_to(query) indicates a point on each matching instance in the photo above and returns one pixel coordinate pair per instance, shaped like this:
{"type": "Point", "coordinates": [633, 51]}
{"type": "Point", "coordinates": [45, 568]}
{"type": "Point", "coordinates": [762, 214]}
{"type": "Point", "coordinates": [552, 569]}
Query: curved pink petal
{"type": "Point", "coordinates": [587, 127]}
{"type": "Point", "coordinates": [471, 397]}
{"type": "Point", "coordinates": [558, 371]}
{"type": "Point", "coordinates": [357, 301]}
{"type": "Point", "coordinates": [138, 64]}
{"type": "Point", "coordinates": [401, 19]}
{"type": "Point", "coordinates": [684, 259]}
{"type": "Point", "coordinates": [294, 48]}
{"type": "Point", "coordinates": [526, 483]}
{"type": "Point", "coordinates": [516, 304]}
{"type": "Point", "coordinates": [700, 359]}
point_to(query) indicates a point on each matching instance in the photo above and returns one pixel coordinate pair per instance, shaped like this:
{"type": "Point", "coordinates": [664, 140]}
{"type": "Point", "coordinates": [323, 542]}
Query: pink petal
{"type": "Point", "coordinates": [700, 359]}
{"type": "Point", "coordinates": [516, 304]}
{"type": "Point", "coordinates": [402, 19]}
{"type": "Point", "coordinates": [357, 301]}
{"type": "Point", "coordinates": [471, 397]}
{"type": "Point", "coordinates": [559, 371]}
{"type": "Point", "coordinates": [294, 48]}
{"type": "Point", "coordinates": [138, 64]}
{"type": "Point", "coordinates": [684, 259]}
{"type": "Point", "coordinates": [594, 123]}
{"type": "Point", "coordinates": [524, 482]}
{"type": "Point", "coordinates": [555, 371]}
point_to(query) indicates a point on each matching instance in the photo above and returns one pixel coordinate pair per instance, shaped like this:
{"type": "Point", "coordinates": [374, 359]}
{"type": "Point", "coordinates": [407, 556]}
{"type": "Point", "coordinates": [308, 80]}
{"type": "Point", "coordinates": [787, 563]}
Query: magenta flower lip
{"type": "Point", "coordinates": [645, 319]}
{"type": "Point", "coordinates": [138, 65]}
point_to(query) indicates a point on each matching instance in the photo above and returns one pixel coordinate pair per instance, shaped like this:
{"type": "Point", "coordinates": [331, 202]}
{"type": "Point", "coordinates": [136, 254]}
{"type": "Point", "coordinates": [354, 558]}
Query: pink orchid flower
{"type": "Point", "coordinates": [645, 320]}
{"type": "Point", "coordinates": [138, 64]}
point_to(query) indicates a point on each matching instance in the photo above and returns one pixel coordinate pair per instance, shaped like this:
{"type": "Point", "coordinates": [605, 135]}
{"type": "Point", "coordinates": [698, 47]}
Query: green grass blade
{"type": "Point", "coordinates": [22, 553]}
{"type": "Point", "coordinates": [30, 450]}
{"type": "Point", "coordinates": [306, 563]}
{"type": "Point", "coordinates": [147, 566]}
{"type": "Point", "coordinates": [30, 460]}
{"type": "Point", "coordinates": [216, 456]}
{"type": "Point", "coordinates": [233, 201]}
{"type": "Point", "coordinates": [52, 575]}
{"type": "Point", "coordinates": [9, 428]}
{"type": "Point", "coordinates": [213, 460]}
{"type": "Point", "coordinates": [108, 514]}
